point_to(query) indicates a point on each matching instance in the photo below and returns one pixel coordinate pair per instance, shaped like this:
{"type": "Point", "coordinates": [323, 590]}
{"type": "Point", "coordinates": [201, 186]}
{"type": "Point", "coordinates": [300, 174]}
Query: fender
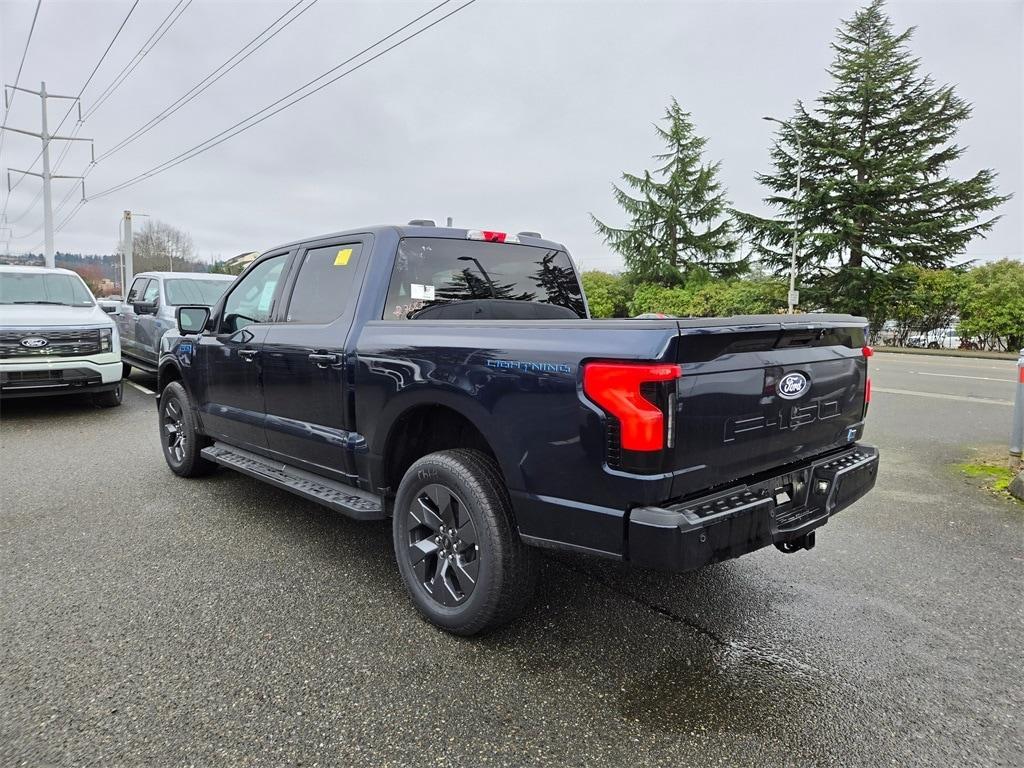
{"type": "Point", "coordinates": [455, 399]}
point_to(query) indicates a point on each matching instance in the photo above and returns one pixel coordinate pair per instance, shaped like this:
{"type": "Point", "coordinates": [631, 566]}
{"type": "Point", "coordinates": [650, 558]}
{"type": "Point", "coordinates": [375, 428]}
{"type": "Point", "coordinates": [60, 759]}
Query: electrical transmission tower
{"type": "Point", "coordinates": [46, 176]}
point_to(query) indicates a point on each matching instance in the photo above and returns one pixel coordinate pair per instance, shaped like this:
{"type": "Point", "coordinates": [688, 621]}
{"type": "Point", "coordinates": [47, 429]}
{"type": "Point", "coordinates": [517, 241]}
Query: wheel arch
{"type": "Point", "coordinates": [425, 427]}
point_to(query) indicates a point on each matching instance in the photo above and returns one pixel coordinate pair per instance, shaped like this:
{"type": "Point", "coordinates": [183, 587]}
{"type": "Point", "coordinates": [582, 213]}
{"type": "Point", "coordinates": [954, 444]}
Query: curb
{"type": "Point", "coordinates": [1016, 487]}
{"type": "Point", "coordinates": [977, 354]}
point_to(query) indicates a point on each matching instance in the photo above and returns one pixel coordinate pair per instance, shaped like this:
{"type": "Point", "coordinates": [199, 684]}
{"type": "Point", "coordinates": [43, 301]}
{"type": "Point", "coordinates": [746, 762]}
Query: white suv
{"type": "Point", "coordinates": [54, 338]}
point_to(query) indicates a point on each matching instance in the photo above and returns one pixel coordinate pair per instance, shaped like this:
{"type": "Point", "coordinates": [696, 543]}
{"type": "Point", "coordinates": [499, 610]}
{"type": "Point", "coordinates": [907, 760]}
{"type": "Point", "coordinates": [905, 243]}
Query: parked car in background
{"type": "Point", "coordinates": [54, 338]}
{"type": "Point", "coordinates": [148, 311]}
{"type": "Point", "coordinates": [939, 338]}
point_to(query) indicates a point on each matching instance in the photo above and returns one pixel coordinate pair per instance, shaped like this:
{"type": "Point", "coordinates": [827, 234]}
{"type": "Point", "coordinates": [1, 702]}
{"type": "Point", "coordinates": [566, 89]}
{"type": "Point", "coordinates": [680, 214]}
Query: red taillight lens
{"type": "Point", "coordinates": [616, 388]}
{"type": "Point", "coordinates": [868, 351]}
{"type": "Point", "coordinates": [867, 391]}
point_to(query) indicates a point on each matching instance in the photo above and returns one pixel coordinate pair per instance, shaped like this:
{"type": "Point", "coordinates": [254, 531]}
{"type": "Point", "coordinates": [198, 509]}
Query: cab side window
{"type": "Point", "coordinates": [325, 284]}
{"type": "Point", "coordinates": [251, 299]}
{"type": "Point", "coordinates": [152, 292]}
{"type": "Point", "coordinates": [138, 289]}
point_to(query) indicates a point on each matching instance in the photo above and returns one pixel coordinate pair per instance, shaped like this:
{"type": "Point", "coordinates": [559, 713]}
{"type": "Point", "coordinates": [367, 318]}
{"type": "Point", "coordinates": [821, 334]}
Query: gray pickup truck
{"type": "Point", "coordinates": [148, 311]}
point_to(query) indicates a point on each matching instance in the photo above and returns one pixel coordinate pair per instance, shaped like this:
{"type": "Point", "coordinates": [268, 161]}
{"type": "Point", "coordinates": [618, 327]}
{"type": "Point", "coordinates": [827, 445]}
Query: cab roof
{"type": "Point", "coordinates": [28, 269]}
{"type": "Point", "coordinates": [417, 230]}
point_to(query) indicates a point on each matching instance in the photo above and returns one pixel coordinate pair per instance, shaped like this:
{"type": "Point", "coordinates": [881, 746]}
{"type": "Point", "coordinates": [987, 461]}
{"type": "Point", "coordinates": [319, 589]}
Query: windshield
{"type": "Point", "coordinates": [43, 288]}
{"type": "Point", "coordinates": [432, 271]}
{"type": "Point", "coordinates": [192, 291]}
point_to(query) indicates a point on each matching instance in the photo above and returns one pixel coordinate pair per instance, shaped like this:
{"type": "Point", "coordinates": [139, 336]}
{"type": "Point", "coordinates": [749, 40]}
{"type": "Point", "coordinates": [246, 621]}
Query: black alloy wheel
{"type": "Point", "coordinates": [180, 438]}
{"type": "Point", "coordinates": [442, 545]}
{"type": "Point", "coordinates": [175, 438]}
{"type": "Point", "coordinates": [458, 549]}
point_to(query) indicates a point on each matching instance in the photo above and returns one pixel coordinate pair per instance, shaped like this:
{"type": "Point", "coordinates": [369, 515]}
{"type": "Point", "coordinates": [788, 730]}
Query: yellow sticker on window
{"type": "Point", "coordinates": [341, 260]}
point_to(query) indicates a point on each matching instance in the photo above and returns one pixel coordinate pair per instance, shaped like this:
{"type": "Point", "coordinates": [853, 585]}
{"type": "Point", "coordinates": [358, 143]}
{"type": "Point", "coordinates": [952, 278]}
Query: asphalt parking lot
{"type": "Point", "coordinates": [150, 620]}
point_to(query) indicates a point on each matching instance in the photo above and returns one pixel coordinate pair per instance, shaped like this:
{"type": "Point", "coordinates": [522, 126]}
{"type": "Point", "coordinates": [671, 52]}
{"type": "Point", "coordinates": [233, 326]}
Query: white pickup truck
{"type": "Point", "coordinates": [54, 338]}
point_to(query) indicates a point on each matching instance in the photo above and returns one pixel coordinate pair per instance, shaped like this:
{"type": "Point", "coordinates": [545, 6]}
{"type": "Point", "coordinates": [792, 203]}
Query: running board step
{"type": "Point", "coordinates": [350, 501]}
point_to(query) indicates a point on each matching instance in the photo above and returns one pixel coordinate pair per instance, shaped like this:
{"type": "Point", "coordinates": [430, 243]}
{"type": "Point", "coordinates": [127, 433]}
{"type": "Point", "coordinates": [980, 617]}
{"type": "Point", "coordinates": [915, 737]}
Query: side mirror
{"type": "Point", "coordinates": [109, 308]}
{"type": "Point", "coordinates": [144, 308]}
{"type": "Point", "coordinates": [192, 320]}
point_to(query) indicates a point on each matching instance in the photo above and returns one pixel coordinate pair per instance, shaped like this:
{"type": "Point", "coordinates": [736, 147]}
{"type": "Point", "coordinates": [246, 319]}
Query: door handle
{"type": "Point", "coordinates": [322, 361]}
{"type": "Point", "coordinates": [248, 355]}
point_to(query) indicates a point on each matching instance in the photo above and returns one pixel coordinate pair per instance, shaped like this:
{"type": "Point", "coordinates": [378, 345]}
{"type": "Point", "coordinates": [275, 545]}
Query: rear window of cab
{"type": "Point", "coordinates": [431, 271]}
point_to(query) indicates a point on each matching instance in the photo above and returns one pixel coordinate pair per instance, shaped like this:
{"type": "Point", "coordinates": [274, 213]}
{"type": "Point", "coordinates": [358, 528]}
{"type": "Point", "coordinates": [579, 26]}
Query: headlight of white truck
{"type": "Point", "coordinates": [107, 339]}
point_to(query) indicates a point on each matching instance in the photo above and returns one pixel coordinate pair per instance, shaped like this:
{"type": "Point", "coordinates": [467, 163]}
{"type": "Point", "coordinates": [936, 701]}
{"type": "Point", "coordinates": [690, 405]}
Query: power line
{"type": "Point", "coordinates": [88, 80]}
{"type": "Point", "coordinates": [17, 81]}
{"type": "Point", "coordinates": [273, 109]}
{"type": "Point", "coordinates": [210, 79]}
{"type": "Point", "coordinates": [141, 54]}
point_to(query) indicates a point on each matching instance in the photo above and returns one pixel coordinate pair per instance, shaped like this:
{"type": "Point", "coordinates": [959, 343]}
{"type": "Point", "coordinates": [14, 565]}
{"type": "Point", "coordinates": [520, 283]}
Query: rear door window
{"type": "Point", "coordinates": [431, 271]}
{"type": "Point", "coordinates": [325, 284]}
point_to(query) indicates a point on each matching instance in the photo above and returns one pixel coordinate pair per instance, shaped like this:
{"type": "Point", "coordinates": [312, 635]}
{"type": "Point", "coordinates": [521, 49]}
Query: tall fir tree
{"type": "Point", "coordinates": [678, 212]}
{"type": "Point", "coordinates": [875, 186]}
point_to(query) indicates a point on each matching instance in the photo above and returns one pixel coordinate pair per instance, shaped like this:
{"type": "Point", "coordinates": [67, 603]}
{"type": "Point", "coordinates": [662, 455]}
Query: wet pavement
{"type": "Point", "coordinates": [149, 620]}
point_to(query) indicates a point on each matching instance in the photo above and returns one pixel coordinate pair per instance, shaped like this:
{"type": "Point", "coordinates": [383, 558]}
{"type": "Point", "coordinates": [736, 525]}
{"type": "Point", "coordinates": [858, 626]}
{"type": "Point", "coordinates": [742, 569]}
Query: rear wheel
{"type": "Point", "coordinates": [111, 398]}
{"type": "Point", "coordinates": [458, 550]}
{"type": "Point", "coordinates": [179, 434]}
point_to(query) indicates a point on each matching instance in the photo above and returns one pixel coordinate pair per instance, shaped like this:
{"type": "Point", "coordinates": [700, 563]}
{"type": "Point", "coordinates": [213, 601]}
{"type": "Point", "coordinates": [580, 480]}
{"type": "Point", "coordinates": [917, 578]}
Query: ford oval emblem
{"type": "Point", "coordinates": [792, 385]}
{"type": "Point", "coordinates": [34, 342]}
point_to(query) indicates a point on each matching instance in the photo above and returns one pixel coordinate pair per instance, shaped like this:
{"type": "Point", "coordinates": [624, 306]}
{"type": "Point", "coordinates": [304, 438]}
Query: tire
{"type": "Point", "coordinates": [488, 574]}
{"type": "Point", "coordinates": [125, 370]}
{"type": "Point", "coordinates": [111, 398]}
{"type": "Point", "coordinates": [933, 345]}
{"type": "Point", "coordinates": [180, 438]}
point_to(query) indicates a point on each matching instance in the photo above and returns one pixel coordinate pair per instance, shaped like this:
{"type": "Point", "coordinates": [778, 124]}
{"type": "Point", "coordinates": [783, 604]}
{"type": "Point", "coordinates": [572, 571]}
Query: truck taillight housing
{"type": "Point", "coordinates": [630, 393]}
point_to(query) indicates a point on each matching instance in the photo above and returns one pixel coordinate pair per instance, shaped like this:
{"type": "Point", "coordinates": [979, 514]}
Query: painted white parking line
{"type": "Point", "coordinates": [959, 376]}
{"type": "Point", "coordinates": [139, 387]}
{"type": "Point", "coordinates": [942, 396]}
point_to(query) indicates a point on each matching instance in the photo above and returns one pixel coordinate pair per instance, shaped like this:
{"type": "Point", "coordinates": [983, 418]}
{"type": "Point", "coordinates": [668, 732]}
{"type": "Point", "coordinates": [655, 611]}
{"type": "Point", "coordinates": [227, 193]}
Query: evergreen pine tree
{"type": "Point", "coordinates": [875, 188]}
{"type": "Point", "coordinates": [678, 211]}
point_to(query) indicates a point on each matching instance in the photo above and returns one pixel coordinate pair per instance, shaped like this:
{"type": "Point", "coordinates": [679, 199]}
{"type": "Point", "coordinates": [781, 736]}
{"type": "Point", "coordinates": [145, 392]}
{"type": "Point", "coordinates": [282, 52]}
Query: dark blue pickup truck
{"type": "Point", "coordinates": [452, 380]}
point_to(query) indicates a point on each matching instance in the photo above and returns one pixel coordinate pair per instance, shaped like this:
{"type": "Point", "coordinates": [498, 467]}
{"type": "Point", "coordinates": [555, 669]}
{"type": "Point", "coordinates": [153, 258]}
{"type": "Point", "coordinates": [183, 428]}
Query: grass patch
{"type": "Point", "coordinates": [992, 475]}
{"type": "Point", "coordinates": [995, 477]}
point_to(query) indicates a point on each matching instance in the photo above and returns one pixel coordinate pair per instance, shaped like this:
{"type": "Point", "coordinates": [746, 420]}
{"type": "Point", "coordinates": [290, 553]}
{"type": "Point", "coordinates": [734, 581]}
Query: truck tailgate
{"type": "Point", "coordinates": [760, 396]}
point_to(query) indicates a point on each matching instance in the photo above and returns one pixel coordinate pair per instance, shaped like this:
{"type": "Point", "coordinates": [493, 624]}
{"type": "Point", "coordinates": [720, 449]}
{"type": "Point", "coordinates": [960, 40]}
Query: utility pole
{"type": "Point", "coordinates": [129, 267]}
{"type": "Point", "coordinates": [46, 176]}
{"type": "Point", "coordinates": [5, 238]}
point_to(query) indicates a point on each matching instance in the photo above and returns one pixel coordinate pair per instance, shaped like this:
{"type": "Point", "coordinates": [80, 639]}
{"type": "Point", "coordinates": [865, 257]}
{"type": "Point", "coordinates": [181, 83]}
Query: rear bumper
{"type": "Point", "coordinates": [748, 516]}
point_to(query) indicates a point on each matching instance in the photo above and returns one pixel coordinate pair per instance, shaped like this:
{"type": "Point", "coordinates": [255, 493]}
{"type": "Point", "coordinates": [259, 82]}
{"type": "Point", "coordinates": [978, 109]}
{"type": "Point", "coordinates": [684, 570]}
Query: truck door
{"type": "Point", "coordinates": [231, 401]}
{"type": "Point", "coordinates": [305, 370]}
{"type": "Point", "coordinates": [147, 343]}
{"type": "Point", "coordinates": [126, 318]}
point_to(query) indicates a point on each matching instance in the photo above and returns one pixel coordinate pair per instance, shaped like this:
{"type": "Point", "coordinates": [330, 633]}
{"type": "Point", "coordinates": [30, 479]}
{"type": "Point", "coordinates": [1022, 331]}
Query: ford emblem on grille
{"type": "Point", "coordinates": [792, 385]}
{"type": "Point", "coordinates": [34, 342]}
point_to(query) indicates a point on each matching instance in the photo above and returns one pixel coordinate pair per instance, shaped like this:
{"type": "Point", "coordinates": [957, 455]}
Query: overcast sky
{"type": "Point", "coordinates": [509, 115]}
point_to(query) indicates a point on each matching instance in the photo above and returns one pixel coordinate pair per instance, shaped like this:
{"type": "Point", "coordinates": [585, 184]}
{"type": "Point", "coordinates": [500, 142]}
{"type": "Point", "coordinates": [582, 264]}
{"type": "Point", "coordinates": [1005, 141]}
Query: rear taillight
{"type": "Point", "coordinates": [624, 391]}
{"type": "Point", "coordinates": [867, 351]}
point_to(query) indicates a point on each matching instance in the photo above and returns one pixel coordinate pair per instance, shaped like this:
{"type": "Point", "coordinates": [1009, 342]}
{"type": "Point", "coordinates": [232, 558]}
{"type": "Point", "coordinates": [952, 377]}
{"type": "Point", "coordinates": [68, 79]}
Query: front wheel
{"type": "Point", "coordinates": [179, 434]}
{"type": "Point", "coordinates": [458, 550]}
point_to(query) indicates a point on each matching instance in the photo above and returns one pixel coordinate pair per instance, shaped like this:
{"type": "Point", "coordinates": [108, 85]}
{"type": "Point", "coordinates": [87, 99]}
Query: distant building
{"type": "Point", "coordinates": [236, 264]}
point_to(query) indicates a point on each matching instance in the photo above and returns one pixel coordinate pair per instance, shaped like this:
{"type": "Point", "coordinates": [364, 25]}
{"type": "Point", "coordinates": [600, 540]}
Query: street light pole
{"type": "Point", "coordinates": [794, 297]}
